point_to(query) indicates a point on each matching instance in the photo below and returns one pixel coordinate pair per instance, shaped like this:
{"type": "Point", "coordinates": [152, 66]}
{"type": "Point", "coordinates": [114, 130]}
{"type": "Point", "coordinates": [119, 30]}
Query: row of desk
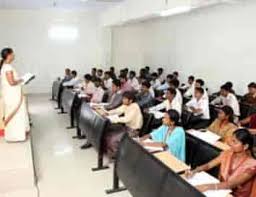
{"type": "Point", "coordinates": [143, 173]}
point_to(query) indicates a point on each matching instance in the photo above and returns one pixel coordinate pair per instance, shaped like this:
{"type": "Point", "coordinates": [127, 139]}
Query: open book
{"type": "Point", "coordinates": [27, 78]}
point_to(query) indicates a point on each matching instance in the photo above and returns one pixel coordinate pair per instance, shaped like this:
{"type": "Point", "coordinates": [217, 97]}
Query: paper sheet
{"type": "Point", "coordinates": [207, 136]}
{"type": "Point", "coordinates": [82, 95]}
{"type": "Point", "coordinates": [27, 77]}
{"type": "Point", "coordinates": [150, 148]}
{"type": "Point", "coordinates": [204, 178]}
{"type": "Point", "coordinates": [113, 118]}
{"type": "Point", "coordinates": [157, 114]}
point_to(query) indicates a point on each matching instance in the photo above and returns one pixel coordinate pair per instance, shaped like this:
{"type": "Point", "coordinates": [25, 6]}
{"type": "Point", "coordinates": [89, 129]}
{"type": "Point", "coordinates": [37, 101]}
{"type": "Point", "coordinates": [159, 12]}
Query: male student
{"type": "Point", "coordinates": [166, 85]}
{"type": "Point", "coordinates": [100, 73]}
{"type": "Point", "coordinates": [133, 81]}
{"type": "Point", "coordinates": [144, 98]}
{"type": "Point", "coordinates": [227, 98]}
{"type": "Point", "coordinates": [67, 76]}
{"type": "Point", "coordinates": [190, 86]}
{"type": "Point", "coordinates": [94, 74]}
{"type": "Point", "coordinates": [155, 82]}
{"type": "Point", "coordinates": [112, 72]}
{"type": "Point", "coordinates": [89, 86]}
{"type": "Point", "coordinates": [116, 97]}
{"type": "Point", "coordinates": [108, 81]}
{"type": "Point", "coordinates": [199, 106]}
{"type": "Point", "coordinates": [73, 82]}
{"type": "Point", "coordinates": [175, 84]}
{"type": "Point", "coordinates": [125, 86]}
{"type": "Point", "coordinates": [169, 103]}
{"type": "Point", "coordinates": [250, 97]}
{"type": "Point", "coordinates": [199, 83]}
{"type": "Point", "coordinates": [160, 73]}
{"type": "Point", "coordinates": [98, 93]}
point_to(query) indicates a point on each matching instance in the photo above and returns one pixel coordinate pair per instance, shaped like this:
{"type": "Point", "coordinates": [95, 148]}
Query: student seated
{"type": "Point", "coordinates": [175, 75]}
{"type": "Point", "coordinates": [125, 86]}
{"type": "Point", "coordinates": [98, 93]}
{"type": "Point", "coordinates": [115, 100]}
{"type": "Point", "coordinates": [190, 84]}
{"type": "Point", "coordinates": [199, 107]}
{"type": "Point", "coordinates": [73, 82]}
{"type": "Point", "coordinates": [223, 125]}
{"type": "Point", "coordinates": [237, 167]}
{"type": "Point", "coordinates": [250, 97]}
{"type": "Point", "coordinates": [155, 82]}
{"type": "Point", "coordinates": [128, 118]}
{"type": "Point", "coordinates": [175, 84]}
{"type": "Point", "coordinates": [169, 136]}
{"type": "Point", "coordinates": [160, 73]}
{"type": "Point", "coordinates": [93, 74]}
{"type": "Point", "coordinates": [100, 74]}
{"type": "Point", "coordinates": [89, 86]}
{"type": "Point", "coordinates": [227, 98]}
{"type": "Point", "coordinates": [169, 103]}
{"type": "Point", "coordinates": [108, 81]}
{"type": "Point", "coordinates": [250, 123]}
{"type": "Point", "coordinates": [144, 98]}
{"type": "Point", "coordinates": [112, 72]}
{"type": "Point", "coordinates": [133, 81]}
{"type": "Point", "coordinates": [166, 85]}
{"type": "Point", "coordinates": [68, 75]}
{"type": "Point", "coordinates": [199, 83]}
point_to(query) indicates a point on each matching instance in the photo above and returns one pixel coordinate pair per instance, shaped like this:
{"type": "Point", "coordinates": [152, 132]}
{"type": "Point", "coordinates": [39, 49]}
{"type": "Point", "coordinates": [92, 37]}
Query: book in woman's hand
{"type": "Point", "coordinates": [27, 78]}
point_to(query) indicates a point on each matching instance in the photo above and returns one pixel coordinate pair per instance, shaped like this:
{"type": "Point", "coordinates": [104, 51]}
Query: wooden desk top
{"type": "Point", "coordinates": [172, 162]}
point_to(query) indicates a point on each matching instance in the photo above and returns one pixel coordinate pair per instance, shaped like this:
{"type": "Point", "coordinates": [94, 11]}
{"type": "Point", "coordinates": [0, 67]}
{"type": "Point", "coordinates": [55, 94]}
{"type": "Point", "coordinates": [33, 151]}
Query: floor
{"type": "Point", "coordinates": [62, 168]}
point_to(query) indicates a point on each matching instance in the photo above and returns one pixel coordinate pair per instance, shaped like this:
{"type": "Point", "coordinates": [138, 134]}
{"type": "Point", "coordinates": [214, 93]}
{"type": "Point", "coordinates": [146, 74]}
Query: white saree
{"type": "Point", "coordinates": [16, 120]}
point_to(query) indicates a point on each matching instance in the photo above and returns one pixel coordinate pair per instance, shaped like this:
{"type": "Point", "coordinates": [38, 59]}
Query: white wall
{"type": "Point", "coordinates": [216, 43]}
{"type": "Point", "coordinates": [27, 32]}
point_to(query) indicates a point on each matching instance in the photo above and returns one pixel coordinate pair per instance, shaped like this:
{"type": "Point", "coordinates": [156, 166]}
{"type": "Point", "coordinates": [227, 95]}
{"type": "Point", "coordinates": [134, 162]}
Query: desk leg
{"type": "Point", "coordinates": [72, 124]}
{"type": "Point", "coordinates": [116, 187]}
{"type": "Point", "coordinates": [100, 163]}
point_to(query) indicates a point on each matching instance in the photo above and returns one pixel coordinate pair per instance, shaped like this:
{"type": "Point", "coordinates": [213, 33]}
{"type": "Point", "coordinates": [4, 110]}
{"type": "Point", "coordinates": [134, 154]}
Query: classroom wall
{"type": "Point", "coordinates": [27, 32]}
{"type": "Point", "coordinates": [216, 43]}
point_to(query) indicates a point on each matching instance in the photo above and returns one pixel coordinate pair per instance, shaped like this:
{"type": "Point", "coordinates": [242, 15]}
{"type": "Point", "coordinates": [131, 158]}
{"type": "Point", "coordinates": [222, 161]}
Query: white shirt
{"type": "Point", "coordinates": [73, 82]}
{"type": "Point", "coordinates": [191, 92]}
{"type": "Point", "coordinates": [230, 101]}
{"type": "Point", "coordinates": [167, 105]}
{"type": "Point", "coordinates": [97, 95]}
{"type": "Point", "coordinates": [134, 83]}
{"type": "Point", "coordinates": [108, 83]}
{"type": "Point", "coordinates": [155, 84]}
{"type": "Point", "coordinates": [202, 104]}
{"type": "Point", "coordinates": [89, 88]}
{"type": "Point", "coordinates": [178, 97]}
{"type": "Point", "coordinates": [161, 78]}
{"type": "Point", "coordinates": [152, 92]}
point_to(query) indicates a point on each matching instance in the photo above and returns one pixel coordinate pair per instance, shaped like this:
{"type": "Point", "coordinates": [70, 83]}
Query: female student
{"type": "Point", "coordinates": [237, 167]}
{"type": "Point", "coordinates": [15, 112]}
{"type": "Point", "coordinates": [169, 136]}
{"type": "Point", "coordinates": [223, 125]}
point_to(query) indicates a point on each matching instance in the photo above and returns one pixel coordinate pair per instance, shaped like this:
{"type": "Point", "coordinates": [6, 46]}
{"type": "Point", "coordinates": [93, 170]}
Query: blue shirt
{"type": "Point", "coordinates": [176, 141]}
{"type": "Point", "coordinates": [163, 87]}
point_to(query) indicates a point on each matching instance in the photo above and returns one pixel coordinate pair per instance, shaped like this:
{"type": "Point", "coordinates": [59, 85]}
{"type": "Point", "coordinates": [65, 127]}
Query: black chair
{"type": "Point", "coordinates": [200, 152]}
{"type": "Point", "coordinates": [67, 102]}
{"type": "Point", "coordinates": [147, 119]}
{"type": "Point", "coordinates": [145, 176]}
{"type": "Point", "coordinates": [94, 126]}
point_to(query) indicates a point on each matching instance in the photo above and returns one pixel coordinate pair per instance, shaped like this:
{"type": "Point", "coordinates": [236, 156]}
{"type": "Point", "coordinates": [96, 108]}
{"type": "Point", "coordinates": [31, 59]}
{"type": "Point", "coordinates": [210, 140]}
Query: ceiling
{"type": "Point", "coordinates": [58, 4]}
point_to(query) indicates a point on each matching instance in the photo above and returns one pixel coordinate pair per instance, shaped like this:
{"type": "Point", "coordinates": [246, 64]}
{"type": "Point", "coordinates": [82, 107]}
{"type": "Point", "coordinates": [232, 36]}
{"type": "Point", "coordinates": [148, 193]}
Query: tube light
{"type": "Point", "coordinates": [174, 11]}
{"type": "Point", "coordinates": [63, 33]}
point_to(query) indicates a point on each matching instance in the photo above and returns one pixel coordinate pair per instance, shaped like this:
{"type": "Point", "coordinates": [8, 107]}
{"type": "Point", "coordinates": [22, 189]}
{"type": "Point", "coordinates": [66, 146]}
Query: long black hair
{"type": "Point", "coordinates": [4, 54]}
{"type": "Point", "coordinates": [246, 138]}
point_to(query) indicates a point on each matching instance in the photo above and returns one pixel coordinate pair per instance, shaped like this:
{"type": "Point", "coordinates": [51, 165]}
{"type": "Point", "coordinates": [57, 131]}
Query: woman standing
{"type": "Point", "coordinates": [15, 113]}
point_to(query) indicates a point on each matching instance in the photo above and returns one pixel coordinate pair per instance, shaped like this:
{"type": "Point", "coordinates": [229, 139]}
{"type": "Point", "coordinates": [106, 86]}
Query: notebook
{"type": "Point", "coordinates": [27, 78]}
{"type": "Point", "coordinates": [204, 178]}
{"type": "Point", "coordinates": [207, 136]}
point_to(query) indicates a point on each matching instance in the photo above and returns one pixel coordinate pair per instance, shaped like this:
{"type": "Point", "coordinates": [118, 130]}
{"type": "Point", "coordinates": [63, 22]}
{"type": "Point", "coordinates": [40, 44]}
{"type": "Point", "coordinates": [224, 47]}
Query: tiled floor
{"type": "Point", "coordinates": [63, 169]}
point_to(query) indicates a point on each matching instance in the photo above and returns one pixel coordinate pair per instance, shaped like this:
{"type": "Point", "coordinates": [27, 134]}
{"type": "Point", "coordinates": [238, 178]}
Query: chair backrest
{"type": "Point", "coordinates": [93, 125]}
{"type": "Point", "coordinates": [145, 176]}
{"type": "Point", "coordinates": [147, 119]}
{"type": "Point", "coordinates": [200, 152]}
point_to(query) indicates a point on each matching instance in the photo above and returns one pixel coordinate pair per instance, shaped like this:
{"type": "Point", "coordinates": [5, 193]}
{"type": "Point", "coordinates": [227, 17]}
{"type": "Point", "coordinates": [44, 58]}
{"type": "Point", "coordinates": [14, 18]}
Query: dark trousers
{"type": "Point", "coordinates": [196, 122]}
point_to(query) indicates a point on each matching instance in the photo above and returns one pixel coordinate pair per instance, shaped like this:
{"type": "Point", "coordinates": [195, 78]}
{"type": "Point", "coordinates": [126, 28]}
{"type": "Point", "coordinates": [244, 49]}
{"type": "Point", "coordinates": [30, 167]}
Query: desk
{"type": "Point", "coordinates": [172, 162]}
